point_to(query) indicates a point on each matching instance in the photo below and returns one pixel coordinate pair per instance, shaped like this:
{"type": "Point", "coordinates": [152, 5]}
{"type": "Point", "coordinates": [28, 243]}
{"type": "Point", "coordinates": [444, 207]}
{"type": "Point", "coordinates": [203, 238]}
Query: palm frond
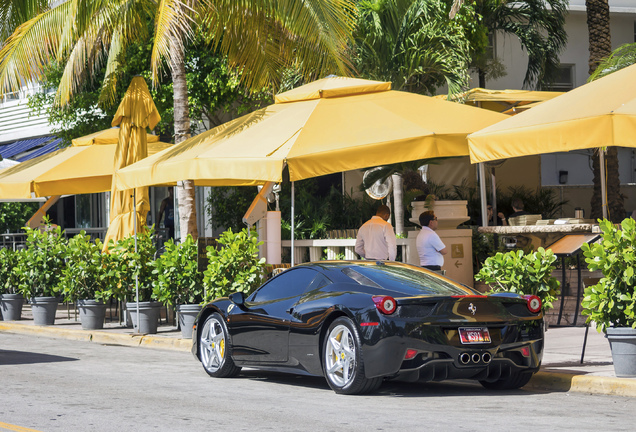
{"type": "Point", "coordinates": [15, 12]}
{"type": "Point", "coordinates": [32, 46]}
{"type": "Point", "coordinates": [173, 26]}
{"type": "Point", "coordinates": [264, 37]}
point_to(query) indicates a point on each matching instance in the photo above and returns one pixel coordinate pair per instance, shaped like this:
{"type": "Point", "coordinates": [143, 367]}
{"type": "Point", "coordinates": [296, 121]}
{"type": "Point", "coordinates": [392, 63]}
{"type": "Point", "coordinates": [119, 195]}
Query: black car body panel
{"type": "Point", "coordinates": [282, 324]}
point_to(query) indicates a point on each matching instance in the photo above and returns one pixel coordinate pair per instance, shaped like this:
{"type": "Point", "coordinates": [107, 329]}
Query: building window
{"type": "Point", "coordinates": [491, 49]}
{"type": "Point", "coordinates": [564, 80]}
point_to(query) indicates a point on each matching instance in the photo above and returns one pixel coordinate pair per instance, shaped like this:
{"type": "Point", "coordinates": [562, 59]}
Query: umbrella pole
{"type": "Point", "coordinates": [601, 160]}
{"type": "Point", "coordinates": [292, 224]}
{"type": "Point", "coordinates": [135, 233]}
{"type": "Point", "coordinates": [493, 193]}
{"type": "Point", "coordinates": [482, 194]}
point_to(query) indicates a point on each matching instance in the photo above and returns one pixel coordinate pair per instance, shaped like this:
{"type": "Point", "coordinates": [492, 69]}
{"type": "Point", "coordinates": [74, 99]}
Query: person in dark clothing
{"type": "Point", "coordinates": [167, 208]}
{"type": "Point", "coordinates": [517, 206]}
{"type": "Point", "coordinates": [501, 219]}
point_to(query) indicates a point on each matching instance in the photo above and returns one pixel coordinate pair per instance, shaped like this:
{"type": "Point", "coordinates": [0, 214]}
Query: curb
{"type": "Point", "coordinates": [550, 381]}
{"type": "Point", "coordinates": [100, 336]}
{"type": "Point", "coordinates": [541, 381]}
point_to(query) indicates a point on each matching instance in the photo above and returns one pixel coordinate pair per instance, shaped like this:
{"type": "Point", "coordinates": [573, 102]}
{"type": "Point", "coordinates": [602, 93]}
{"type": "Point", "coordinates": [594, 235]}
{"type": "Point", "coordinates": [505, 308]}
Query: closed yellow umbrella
{"type": "Point", "coordinates": [328, 126]}
{"type": "Point", "coordinates": [68, 171]}
{"type": "Point", "coordinates": [136, 112]}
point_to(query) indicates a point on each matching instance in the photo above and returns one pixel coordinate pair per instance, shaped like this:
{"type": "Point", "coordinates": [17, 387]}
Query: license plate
{"type": "Point", "coordinates": [474, 335]}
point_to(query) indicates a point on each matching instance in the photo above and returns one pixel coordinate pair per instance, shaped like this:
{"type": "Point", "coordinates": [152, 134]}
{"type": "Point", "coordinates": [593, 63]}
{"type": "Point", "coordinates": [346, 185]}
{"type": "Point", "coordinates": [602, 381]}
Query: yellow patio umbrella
{"type": "Point", "coordinates": [328, 126]}
{"type": "Point", "coordinates": [136, 112]}
{"type": "Point", "coordinates": [106, 136]}
{"type": "Point", "coordinates": [503, 101]}
{"type": "Point", "coordinates": [509, 102]}
{"type": "Point", "coordinates": [598, 114]}
{"type": "Point", "coordinates": [79, 169]}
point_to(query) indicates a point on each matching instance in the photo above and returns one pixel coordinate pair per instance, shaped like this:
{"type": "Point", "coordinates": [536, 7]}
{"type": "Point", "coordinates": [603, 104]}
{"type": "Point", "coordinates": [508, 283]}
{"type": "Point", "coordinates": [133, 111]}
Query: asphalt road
{"type": "Point", "coordinates": [61, 385]}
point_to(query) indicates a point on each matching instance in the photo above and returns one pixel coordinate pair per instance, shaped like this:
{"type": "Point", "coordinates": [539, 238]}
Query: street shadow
{"type": "Point", "coordinates": [285, 378]}
{"type": "Point", "coordinates": [8, 357]}
{"type": "Point", "coordinates": [388, 388]}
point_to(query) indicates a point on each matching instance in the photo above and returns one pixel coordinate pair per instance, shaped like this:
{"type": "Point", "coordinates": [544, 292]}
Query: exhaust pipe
{"type": "Point", "coordinates": [475, 358]}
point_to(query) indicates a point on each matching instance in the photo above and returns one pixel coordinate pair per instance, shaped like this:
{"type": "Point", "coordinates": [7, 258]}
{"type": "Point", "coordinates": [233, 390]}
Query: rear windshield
{"type": "Point", "coordinates": [405, 280]}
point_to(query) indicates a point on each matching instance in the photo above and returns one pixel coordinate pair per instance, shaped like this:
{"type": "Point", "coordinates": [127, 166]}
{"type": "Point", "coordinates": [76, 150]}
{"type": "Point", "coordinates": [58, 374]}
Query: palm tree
{"type": "Point", "coordinates": [260, 37]}
{"type": "Point", "coordinates": [413, 44]}
{"type": "Point", "coordinates": [600, 46]}
{"type": "Point", "coordinates": [537, 24]}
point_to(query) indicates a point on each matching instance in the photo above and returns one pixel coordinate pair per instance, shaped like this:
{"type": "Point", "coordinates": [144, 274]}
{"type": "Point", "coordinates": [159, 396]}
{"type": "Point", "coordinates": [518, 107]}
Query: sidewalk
{"type": "Point", "coordinates": [562, 369]}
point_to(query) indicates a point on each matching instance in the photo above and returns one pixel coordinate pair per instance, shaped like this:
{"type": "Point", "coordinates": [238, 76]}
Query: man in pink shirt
{"type": "Point", "coordinates": [376, 239]}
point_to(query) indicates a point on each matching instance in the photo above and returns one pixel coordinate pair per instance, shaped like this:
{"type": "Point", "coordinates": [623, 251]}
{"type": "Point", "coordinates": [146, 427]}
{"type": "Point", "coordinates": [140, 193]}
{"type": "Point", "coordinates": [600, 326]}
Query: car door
{"type": "Point", "coordinates": [260, 333]}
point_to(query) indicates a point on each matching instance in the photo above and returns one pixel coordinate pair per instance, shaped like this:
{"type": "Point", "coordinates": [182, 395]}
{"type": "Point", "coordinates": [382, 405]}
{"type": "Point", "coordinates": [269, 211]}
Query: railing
{"type": "Point", "coordinates": [99, 233]}
{"type": "Point", "coordinates": [13, 240]}
{"type": "Point", "coordinates": [331, 249]}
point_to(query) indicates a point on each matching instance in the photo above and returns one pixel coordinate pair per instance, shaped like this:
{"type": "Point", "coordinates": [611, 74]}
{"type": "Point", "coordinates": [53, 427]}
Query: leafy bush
{"type": "Point", "coordinates": [128, 264]}
{"type": "Point", "coordinates": [235, 266]}
{"type": "Point", "coordinates": [39, 266]}
{"type": "Point", "coordinates": [522, 273]}
{"type": "Point", "coordinates": [178, 279]}
{"type": "Point", "coordinates": [89, 273]}
{"type": "Point", "coordinates": [8, 279]}
{"type": "Point", "coordinates": [612, 301]}
{"type": "Point", "coordinates": [14, 215]}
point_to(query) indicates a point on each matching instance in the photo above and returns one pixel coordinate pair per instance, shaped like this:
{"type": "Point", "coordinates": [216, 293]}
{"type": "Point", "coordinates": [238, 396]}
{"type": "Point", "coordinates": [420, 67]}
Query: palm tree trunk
{"type": "Point", "coordinates": [398, 206]}
{"type": "Point", "coordinates": [598, 27]}
{"type": "Point", "coordinates": [600, 46]}
{"type": "Point", "coordinates": [185, 188]}
{"type": "Point", "coordinates": [482, 77]}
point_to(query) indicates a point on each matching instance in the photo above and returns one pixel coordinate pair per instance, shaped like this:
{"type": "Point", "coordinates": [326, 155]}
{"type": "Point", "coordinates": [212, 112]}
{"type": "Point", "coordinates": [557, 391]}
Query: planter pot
{"type": "Point", "coordinates": [11, 306]}
{"type": "Point", "coordinates": [92, 314]}
{"type": "Point", "coordinates": [44, 309]}
{"type": "Point", "coordinates": [187, 316]}
{"type": "Point", "coordinates": [623, 345]}
{"type": "Point", "coordinates": [148, 316]}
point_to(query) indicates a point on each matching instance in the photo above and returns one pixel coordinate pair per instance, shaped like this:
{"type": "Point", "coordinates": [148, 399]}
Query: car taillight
{"type": "Point", "coordinates": [534, 303]}
{"type": "Point", "coordinates": [410, 354]}
{"type": "Point", "coordinates": [385, 304]}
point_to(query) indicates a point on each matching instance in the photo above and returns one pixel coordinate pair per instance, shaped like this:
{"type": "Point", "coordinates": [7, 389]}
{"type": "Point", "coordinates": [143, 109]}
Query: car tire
{"type": "Point", "coordinates": [343, 364]}
{"type": "Point", "coordinates": [514, 381]}
{"type": "Point", "coordinates": [215, 348]}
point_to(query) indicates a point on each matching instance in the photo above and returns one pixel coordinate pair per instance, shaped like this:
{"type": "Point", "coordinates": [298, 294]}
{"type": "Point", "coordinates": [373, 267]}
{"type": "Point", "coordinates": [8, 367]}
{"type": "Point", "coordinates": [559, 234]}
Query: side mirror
{"type": "Point", "coordinates": [238, 298]}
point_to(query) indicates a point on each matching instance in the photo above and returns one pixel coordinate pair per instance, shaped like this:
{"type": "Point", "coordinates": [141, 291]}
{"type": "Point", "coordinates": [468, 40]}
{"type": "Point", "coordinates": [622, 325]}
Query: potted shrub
{"type": "Point", "coordinates": [178, 281]}
{"type": "Point", "coordinates": [11, 300]}
{"type": "Point", "coordinates": [133, 271]}
{"type": "Point", "coordinates": [611, 303]}
{"type": "Point", "coordinates": [87, 279]}
{"type": "Point", "coordinates": [526, 274]}
{"type": "Point", "coordinates": [39, 269]}
{"type": "Point", "coordinates": [234, 266]}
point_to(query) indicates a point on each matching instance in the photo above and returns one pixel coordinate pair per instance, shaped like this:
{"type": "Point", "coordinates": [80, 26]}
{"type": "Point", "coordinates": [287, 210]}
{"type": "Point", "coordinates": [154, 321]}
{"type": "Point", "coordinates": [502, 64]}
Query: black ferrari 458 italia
{"type": "Point", "coordinates": [358, 323]}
